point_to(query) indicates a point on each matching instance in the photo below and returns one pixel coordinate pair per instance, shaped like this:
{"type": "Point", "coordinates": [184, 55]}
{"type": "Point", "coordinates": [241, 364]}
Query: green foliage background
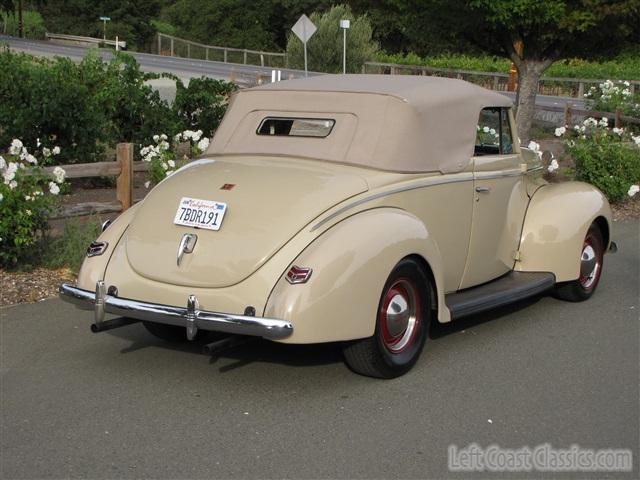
{"type": "Point", "coordinates": [324, 49]}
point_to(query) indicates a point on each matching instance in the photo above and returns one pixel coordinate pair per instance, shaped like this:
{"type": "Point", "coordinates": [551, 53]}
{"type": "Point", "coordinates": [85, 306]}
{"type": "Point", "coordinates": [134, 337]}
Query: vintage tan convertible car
{"type": "Point", "coordinates": [353, 209]}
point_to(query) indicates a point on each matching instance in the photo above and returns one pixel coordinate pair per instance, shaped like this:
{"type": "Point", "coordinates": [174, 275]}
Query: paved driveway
{"type": "Point", "coordinates": [123, 405]}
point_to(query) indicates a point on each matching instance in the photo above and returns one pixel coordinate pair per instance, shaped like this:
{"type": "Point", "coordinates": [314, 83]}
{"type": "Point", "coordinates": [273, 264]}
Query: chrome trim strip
{"type": "Point", "coordinates": [501, 174]}
{"type": "Point", "coordinates": [425, 183]}
{"type": "Point", "coordinates": [535, 169]}
{"type": "Point", "coordinates": [188, 317]}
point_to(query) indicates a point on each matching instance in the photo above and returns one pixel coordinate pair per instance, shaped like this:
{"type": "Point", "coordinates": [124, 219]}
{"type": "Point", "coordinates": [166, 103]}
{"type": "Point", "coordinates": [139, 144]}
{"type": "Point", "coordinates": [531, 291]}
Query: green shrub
{"type": "Point", "coordinates": [32, 22]}
{"type": "Point", "coordinates": [324, 49]}
{"type": "Point", "coordinates": [27, 196]}
{"type": "Point", "coordinates": [51, 102]}
{"type": "Point", "coordinates": [607, 158]}
{"type": "Point", "coordinates": [202, 104]}
{"type": "Point", "coordinates": [608, 96]}
{"type": "Point", "coordinates": [69, 249]}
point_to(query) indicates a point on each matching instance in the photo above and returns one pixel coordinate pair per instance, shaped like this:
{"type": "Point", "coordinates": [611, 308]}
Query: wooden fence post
{"type": "Point", "coordinates": [159, 44]}
{"type": "Point", "coordinates": [618, 118]}
{"type": "Point", "coordinates": [124, 182]}
{"type": "Point", "coordinates": [567, 114]}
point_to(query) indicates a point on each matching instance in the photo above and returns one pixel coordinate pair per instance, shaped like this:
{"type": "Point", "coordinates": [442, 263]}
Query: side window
{"type": "Point", "coordinates": [493, 133]}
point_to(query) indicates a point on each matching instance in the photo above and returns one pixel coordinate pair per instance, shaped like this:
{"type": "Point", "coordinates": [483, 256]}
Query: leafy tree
{"type": "Point", "coordinates": [324, 49]}
{"type": "Point", "coordinates": [547, 30]}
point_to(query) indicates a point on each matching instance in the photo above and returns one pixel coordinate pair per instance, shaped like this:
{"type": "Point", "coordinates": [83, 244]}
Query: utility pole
{"type": "Point", "coordinates": [20, 23]}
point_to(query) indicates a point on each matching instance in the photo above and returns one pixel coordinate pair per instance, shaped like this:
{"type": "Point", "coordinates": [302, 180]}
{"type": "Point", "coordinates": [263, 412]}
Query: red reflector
{"type": "Point", "coordinates": [227, 186]}
{"type": "Point", "coordinates": [298, 274]}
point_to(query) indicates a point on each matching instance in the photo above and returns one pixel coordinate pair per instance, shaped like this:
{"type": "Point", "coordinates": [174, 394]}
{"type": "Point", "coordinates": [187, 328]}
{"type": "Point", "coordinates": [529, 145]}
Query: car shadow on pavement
{"type": "Point", "coordinates": [257, 350]}
{"type": "Point", "coordinates": [264, 351]}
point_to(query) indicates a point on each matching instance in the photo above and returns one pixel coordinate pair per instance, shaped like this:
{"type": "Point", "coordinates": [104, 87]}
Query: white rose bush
{"type": "Point", "coordinates": [609, 95]}
{"type": "Point", "coordinates": [27, 196]}
{"type": "Point", "coordinates": [606, 157]}
{"type": "Point", "coordinates": [162, 156]}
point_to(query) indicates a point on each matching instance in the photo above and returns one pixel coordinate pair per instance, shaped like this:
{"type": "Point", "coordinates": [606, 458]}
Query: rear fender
{"type": "Point", "coordinates": [93, 268]}
{"type": "Point", "coordinates": [351, 262]}
{"type": "Point", "coordinates": [555, 226]}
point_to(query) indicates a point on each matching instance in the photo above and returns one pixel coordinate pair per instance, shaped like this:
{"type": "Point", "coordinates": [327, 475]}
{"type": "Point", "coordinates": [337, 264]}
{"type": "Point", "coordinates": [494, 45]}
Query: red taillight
{"type": "Point", "coordinates": [298, 274]}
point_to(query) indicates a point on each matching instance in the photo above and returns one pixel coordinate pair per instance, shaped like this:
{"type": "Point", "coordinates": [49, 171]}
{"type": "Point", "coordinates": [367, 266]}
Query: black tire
{"type": "Point", "coordinates": [168, 333]}
{"type": "Point", "coordinates": [399, 338]}
{"type": "Point", "coordinates": [583, 288]}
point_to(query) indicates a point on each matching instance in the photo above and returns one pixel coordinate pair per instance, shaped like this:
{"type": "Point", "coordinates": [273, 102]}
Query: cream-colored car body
{"type": "Point", "coordinates": [467, 222]}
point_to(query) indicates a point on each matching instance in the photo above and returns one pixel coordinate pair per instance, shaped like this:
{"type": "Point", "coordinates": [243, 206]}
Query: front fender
{"type": "Point", "coordinates": [351, 262]}
{"type": "Point", "coordinates": [555, 226]}
{"type": "Point", "coordinates": [93, 268]}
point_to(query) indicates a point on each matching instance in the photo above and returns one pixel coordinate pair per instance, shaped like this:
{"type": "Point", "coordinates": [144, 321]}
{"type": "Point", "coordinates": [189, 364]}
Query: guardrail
{"type": "Point", "coordinates": [169, 45]}
{"type": "Point", "coordinates": [85, 40]}
{"type": "Point", "coordinates": [560, 86]}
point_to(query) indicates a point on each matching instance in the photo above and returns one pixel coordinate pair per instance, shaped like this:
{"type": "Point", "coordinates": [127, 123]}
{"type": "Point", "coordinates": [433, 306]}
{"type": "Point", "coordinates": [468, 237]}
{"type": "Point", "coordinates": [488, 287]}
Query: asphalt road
{"type": "Point", "coordinates": [124, 405]}
{"type": "Point", "coordinates": [187, 68]}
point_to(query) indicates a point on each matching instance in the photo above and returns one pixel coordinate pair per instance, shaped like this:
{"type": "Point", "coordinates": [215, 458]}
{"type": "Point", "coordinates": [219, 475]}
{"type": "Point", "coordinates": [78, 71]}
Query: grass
{"type": "Point", "coordinates": [624, 67]}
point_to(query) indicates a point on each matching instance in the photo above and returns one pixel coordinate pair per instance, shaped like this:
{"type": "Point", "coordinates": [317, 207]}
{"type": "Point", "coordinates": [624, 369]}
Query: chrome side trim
{"type": "Point", "coordinates": [190, 316]}
{"type": "Point", "coordinates": [425, 183]}
{"type": "Point", "coordinates": [535, 169]}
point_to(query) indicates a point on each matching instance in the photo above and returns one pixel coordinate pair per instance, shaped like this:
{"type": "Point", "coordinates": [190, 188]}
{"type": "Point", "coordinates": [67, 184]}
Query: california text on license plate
{"type": "Point", "coordinates": [193, 212]}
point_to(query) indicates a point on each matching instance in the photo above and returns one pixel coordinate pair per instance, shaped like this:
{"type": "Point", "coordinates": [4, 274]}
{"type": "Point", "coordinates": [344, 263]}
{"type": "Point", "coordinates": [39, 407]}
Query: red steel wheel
{"type": "Point", "coordinates": [399, 315]}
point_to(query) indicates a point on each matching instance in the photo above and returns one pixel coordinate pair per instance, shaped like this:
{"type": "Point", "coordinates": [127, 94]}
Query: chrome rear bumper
{"type": "Point", "coordinates": [190, 317]}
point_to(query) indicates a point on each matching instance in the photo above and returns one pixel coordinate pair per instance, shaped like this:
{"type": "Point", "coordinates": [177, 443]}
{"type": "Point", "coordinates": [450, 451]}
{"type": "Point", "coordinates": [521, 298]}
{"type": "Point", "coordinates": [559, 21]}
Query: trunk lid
{"type": "Point", "coordinates": [270, 201]}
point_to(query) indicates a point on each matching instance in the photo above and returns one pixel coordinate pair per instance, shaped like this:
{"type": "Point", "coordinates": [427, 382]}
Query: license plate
{"type": "Point", "coordinates": [193, 212]}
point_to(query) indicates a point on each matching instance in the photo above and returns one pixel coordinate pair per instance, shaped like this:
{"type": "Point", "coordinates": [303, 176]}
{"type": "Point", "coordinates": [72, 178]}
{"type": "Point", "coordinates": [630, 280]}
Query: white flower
{"type": "Point", "coordinates": [1, 197]}
{"type": "Point", "coordinates": [54, 188]}
{"type": "Point", "coordinates": [16, 147]}
{"type": "Point", "coordinates": [10, 172]}
{"type": "Point", "coordinates": [46, 152]}
{"type": "Point", "coordinates": [146, 184]}
{"type": "Point", "coordinates": [38, 142]}
{"type": "Point", "coordinates": [485, 129]}
{"type": "Point", "coordinates": [618, 131]}
{"type": "Point", "coordinates": [56, 150]}
{"type": "Point", "coordinates": [636, 140]}
{"type": "Point", "coordinates": [187, 134]}
{"type": "Point", "coordinates": [59, 174]}
{"type": "Point", "coordinates": [633, 189]}
{"type": "Point", "coordinates": [590, 122]}
{"type": "Point", "coordinates": [553, 166]}
{"type": "Point", "coordinates": [31, 159]}
{"type": "Point", "coordinates": [203, 144]}
{"type": "Point", "coordinates": [560, 131]}
{"type": "Point", "coordinates": [28, 198]}
{"type": "Point", "coordinates": [164, 166]}
{"type": "Point", "coordinates": [13, 184]}
{"type": "Point", "coordinates": [171, 163]}
{"type": "Point", "coordinates": [196, 135]}
{"type": "Point", "coordinates": [3, 163]}
{"type": "Point", "coordinates": [177, 138]}
{"type": "Point", "coordinates": [156, 138]}
{"type": "Point", "coordinates": [626, 83]}
{"type": "Point", "coordinates": [28, 212]}
{"type": "Point", "coordinates": [163, 137]}
{"type": "Point", "coordinates": [533, 146]}
{"type": "Point", "coordinates": [604, 122]}
{"type": "Point", "coordinates": [169, 172]}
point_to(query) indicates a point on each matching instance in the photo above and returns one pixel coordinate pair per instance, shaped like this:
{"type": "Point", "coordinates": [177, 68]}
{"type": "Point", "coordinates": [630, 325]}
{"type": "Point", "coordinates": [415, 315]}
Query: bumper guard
{"type": "Point", "coordinates": [190, 317]}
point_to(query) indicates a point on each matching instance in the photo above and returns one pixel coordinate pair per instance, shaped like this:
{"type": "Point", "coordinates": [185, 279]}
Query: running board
{"type": "Point", "coordinates": [507, 289]}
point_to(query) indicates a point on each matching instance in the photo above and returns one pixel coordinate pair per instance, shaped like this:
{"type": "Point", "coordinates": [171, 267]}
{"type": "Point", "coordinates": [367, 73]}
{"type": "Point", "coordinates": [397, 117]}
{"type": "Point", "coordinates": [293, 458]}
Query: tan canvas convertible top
{"type": "Point", "coordinates": [395, 123]}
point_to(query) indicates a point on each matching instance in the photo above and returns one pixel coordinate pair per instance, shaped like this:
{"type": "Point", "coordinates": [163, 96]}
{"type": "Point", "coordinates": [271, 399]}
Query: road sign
{"type": "Point", "coordinates": [105, 19]}
{"type": "Point", "coordinates": [304, 29]}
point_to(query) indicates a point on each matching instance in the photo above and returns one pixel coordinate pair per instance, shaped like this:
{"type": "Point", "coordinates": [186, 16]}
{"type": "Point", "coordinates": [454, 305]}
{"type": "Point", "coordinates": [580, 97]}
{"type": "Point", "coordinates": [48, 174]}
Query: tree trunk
{"type": "Point", "coordinates": [529, 73]}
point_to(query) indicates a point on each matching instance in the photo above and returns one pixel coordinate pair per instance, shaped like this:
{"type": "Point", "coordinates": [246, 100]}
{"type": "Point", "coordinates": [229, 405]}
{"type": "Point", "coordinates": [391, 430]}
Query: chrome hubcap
{"type": "Point", "coordinates": [589, 266]}
{"type": "Point", "coordinates": [399, 317]}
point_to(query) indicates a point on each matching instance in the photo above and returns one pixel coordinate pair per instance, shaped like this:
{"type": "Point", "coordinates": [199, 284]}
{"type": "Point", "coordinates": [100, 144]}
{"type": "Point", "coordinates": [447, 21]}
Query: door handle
{"type": "Point", "coordinates": [483, 189]}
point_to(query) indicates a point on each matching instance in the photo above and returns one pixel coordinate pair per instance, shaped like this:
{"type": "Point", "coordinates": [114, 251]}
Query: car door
{"type": "Point", "coordinates": [500, 199]}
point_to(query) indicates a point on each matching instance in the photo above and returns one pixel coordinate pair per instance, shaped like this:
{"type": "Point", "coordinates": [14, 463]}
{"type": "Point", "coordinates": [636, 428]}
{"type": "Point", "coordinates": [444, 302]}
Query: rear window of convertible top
{"type": "Point", "coordinates": [296, 127]}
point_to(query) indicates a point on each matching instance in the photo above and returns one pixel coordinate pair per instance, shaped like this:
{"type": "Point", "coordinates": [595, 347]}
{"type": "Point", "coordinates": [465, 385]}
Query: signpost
{"type": "Point", "coordinates": [104, 26]}
{"type": "Point", "coordinates": [344, 25]}
{"type": "Point", "coordinates": [304, 29]}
